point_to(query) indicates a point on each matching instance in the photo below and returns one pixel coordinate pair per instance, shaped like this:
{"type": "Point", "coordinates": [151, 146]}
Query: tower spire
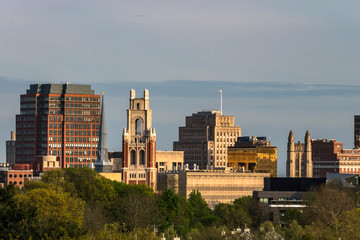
{"type": "Point", "coordinates": [103, 163]}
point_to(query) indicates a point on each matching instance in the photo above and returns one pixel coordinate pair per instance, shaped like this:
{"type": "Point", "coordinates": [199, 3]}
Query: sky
{"type": "Point", "coordinates": [282, 65]}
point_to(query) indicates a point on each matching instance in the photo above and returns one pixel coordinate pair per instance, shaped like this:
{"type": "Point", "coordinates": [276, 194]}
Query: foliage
{"type": "Point", "coordinates": [136, 208]}
{"type": "Point", "coordinates": [202, 215]}
{"type": "Point", "coordinates": [84, 183]}
{"type": "Point", "coordinates": [81, 204]}
{"type": "Point", "coordinates": [290, 215]}
{"type": "Point", "coordinates": [118, 232]}
{"type": "Point", "coordinates": [174, 211]}
{"type": "Point", "coordinates": [205, 233]}
{"type": "Point", "coordinates": [234, 215]}
{"type": "Point", "coordinates": [327, 206]}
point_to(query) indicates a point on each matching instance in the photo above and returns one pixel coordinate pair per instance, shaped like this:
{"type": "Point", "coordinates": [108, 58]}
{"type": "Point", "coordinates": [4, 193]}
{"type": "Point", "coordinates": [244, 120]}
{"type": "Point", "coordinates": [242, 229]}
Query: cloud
{"type": "Point", "coordinates": [201, 89]}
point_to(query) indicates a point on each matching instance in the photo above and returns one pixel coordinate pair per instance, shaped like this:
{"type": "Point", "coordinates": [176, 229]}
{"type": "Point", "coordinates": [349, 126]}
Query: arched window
{"type": "Point", "coordinates": [138, 126]}
{"type": "Point", "coordinates": [142, 157]}
{"type": "Point", "coordinates": [133, 157]}
{"type": "Point", "coordinates": [138, 106]}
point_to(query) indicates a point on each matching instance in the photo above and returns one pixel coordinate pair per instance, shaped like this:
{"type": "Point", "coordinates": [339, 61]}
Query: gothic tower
{"type": "Point", "coordinates": [139, 143]}
{"type": "Point", "coordinates": [308, 156]}
{"type": "Point", "coordinates": [290, 163]}
{"type": "Point", "coordinates": [299, 157]}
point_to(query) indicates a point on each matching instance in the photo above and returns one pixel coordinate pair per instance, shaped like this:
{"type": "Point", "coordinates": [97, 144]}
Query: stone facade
{"type": "Point", "coordinates": [205, 139]}
{"type": "Point", "coordinates": [220, 187]}
{"type": "Point", "coordinates": [299, 159]}
{"type": "Point", "coordinates": [169, 161]}
{"type": "Point", "coordinates": [139, 143]}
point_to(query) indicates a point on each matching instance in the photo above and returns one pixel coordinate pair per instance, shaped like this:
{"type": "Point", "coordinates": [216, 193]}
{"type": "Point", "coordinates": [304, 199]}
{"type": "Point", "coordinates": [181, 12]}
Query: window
{"type": "Point", "coordinates": [133, 157]}
{"type": "Point", "coordinates": [138, 126]}
{"type": "Point", "coordinates": [142, 157]}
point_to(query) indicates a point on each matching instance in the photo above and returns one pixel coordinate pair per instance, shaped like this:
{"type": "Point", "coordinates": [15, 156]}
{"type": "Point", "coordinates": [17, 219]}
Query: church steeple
{"type": "Point", "coordinates": [103, 163]}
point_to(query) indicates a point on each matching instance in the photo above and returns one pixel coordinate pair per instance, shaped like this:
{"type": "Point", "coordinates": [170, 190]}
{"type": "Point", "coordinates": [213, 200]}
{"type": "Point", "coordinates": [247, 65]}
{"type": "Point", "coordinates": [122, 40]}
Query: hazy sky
{"type": "Point", "coordinates": [282, 64]}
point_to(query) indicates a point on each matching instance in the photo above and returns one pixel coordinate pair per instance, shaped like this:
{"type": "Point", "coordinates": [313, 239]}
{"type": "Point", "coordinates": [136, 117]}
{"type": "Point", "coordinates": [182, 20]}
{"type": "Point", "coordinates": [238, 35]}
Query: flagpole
{"type": "Point", "coordinates": [220, 100]}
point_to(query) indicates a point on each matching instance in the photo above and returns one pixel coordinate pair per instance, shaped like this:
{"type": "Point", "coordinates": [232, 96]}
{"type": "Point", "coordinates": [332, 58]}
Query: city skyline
{"type": "Point", "coordinates": [282, 65]}
{"type": "Point", "coordinates": [252, 115]}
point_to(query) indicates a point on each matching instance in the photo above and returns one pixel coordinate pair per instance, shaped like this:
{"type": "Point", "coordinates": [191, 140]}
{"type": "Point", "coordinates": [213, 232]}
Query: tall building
{"type": "Point", "coordinates": [139, 143]}
{"type": "Point", "coordinates": [357, 131]}
{"type": "Point", "coordinates": [205, 139]}
{"type": "Point", "coordinates": [11, 148]}
{"type": "Point", "coordinates": [299, 159]}
{"type": "Point", "coordinates": [254, 154]}
{"type": "Point", "coordinates": [59, 120]}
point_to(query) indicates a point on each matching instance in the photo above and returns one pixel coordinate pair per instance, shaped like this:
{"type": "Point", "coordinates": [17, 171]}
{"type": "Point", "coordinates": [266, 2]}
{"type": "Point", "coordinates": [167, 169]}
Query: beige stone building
{"type": "Point", "coordinates": [205, 139]}
{"type": "Point", "coordinates": [299, 158]}
{"type": "Point", "coordinates": [169, 160]}
{"type": "Point", "coordinates": [220, 187]}
{"type": "Point", "coordinates": [215, 186]}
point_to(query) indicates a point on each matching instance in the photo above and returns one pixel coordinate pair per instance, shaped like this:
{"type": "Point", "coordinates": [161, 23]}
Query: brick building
{"type": "Point", "coordinates": [329, 156]}
{"type": "Point", "coordinates": [17, 177]}
{"type": "Point", "coordinates": [59, 120]}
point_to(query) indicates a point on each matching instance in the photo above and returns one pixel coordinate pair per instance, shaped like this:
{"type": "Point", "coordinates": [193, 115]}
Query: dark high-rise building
{"type": "Point", "coordinates": [58, 120]}
{"type": "Point", "coordinates": [11, 149]}
{"type": "Point", "coordinates": [357, 131]}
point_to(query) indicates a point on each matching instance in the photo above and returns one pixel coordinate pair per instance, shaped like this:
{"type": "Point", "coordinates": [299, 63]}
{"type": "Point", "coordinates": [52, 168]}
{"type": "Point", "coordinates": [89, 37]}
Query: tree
{"type": "Point", "coordinates": [294, 231]}
{"type": "Point", "coordinates": [205, 233]}
{"type": "Point", "coordinates": [202, 214]}
{"type": "Point", "coordinates": [349, 225]}
{"type": "Point", "coordinates": [47, 214]}
{"type": "Point", "coordinates": [326, 206]}
{"type": "Point", "coordinates": [136, 209]}
{"type": "Point", "coordinates": [234, 215]}
{"type": "Point", "coordinates": [175, 211]}
{"type": "Point", "coordinates": [290, 215]}
{"type": "Point", "coordinates": [267, 231]}
{"type": "Point", "coordinates": [84, 183]}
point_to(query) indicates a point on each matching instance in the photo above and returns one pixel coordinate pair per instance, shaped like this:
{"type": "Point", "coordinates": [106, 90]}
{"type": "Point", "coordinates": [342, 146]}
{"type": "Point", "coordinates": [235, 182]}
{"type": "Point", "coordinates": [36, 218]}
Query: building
{"type": "Point", "coordinates": [329, 156]}
{"type": "Point", "coordinates": [139, 143]}
{"type": "Point", "coordinates": [220, 187]}
{"type": "Point", "coordinates": [280, 194]}
{"type": "Point", "coordinates": [169, 161]}
{"type": "Point", "coordinates": [215, 186]}
{"type": "Point", "coordinates": [11, 149]}
{"type": "Point", "coordinates": [46, 163]}
{"type": "Point", "coordinates": [299, 160]}
{"type": "Point", "coordinates": [206, 138]}
{"type": "Point", "coordinates": [253, 154]}
{"type": "Point", "coordinates": [117, 159]}
{"type": "Point", "coordinates": [16, 177]}
{"type": "Point", "coordinates": [102, 163]}
{"type": "Point", "coordinates": [59, 120]}
{"type": "Point", "coordinates": [357, 131]}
